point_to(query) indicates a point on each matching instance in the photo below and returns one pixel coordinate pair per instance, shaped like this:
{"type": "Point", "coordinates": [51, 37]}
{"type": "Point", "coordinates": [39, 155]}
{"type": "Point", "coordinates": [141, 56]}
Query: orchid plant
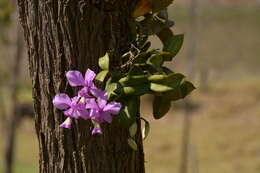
{"type": "Point", "coordinates": [90, 103]}
{"type": "Point", "coordinates": [142, 72]}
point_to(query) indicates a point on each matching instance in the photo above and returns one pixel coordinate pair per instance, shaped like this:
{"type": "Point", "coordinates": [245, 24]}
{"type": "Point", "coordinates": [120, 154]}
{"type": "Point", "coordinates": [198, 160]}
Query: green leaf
{"type": "Point", "coordinates": [132, 144]}
{"type": "Point", "coordinates": [160, 88]}
{"type": "Point", "coordinates": [104, 62]}
{"type": "Point", "coordinates": [142, 57]}
{"type": "Point", "coordinates": [135, 70]}
{"type": "Point", "coordinates": [165, 34]}
{"type": "Point", "coordinates": [133, 129]}
{"type": "Point", "coordinates": [160, 107]}
{"type": "Point", "coordinates": [137, 90]}
{"type": "Point", "coordinates": [173, 95]}
{"type": "Point", "coordinates": [158, 5]}
{"type": "Point", "coordinates": [174, 44]}
{"type": "Point", "coordinates": [146, 129]}
{"type": "Point", "coordinates": [186, 88]}
{"type": "Point", "coordinates": [128, 112]}
{"type": "Point", "coordinates": [166, 70]}
{"type": "Point", "coordinates": [133, 80]}
{"type": "Point", "coordinates": [167, 56]}
{"type": "Point", "coordinates": [155, 60]}
{"type": "Point", "coordinates": [180, 92]}
{"type": "Point", "coordinates": [110, 87]}
{"type": "Point", "coordinates": [151, 25]}
{"type": "Point", "coordinates": [167, 79]}
{"type": "Point", "coordinates": [102, 75]}
{"type": "Point", "coordinates": [164, 83]}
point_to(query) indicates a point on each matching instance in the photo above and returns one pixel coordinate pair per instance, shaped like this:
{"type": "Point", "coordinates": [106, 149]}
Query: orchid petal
{"type": "Point", "coordinates": [102, 99]}
{"type": "Point", "coordinates": [102, 102]}
{"type": "Point", "coordinates": [67, 123]}
{"type": "Point", "coordinates": [96, 131]}
{"type": "Point", "coordinates": [61, 101]}
{"type": "Point", "coordinates": [107, 117]}
{"type": "Point", "coordinates": [89, 77]}
{"type": "Point", "coordinates": [96, 116]}
{"type": "Point", "coordinates": [98, 92]}
{"type": "Point", "coordinates": [91, 104]}
{"type": "Point", "coordinates": [74, 101]}
{"type": "Point", "coordinates": [84, 114]}
{"type": "Point", "coordinates": [75, 78]}
{"type": "Point", "coordinates": [84, 92]}
{"type": "Point", "coordinates": [69, 112]}
{"type": "Point", "coordinates": [113, 108]}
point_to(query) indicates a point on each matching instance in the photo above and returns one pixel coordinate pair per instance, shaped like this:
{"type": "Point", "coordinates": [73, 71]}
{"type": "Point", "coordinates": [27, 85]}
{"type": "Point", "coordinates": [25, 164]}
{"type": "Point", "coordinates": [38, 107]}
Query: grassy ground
{"type": "Point", "coordinates": [225, 132]}
{"type": "Point", "coordinates": [225, 127]}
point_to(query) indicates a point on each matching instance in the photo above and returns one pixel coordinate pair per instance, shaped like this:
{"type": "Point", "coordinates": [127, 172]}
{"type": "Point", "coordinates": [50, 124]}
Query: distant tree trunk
{"type": "Point", "coordinates": [14, 117]}
{"type": "Point", "coordinates": [187, 121]}
{"type": "Point", "coordinates": [66, 35]}
{"type": "Point", "coordinates": [204, 78]}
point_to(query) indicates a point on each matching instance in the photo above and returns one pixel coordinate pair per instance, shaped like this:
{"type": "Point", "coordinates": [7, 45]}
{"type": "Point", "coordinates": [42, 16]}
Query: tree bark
{"type": "Point", "coordinates": [69, 35]}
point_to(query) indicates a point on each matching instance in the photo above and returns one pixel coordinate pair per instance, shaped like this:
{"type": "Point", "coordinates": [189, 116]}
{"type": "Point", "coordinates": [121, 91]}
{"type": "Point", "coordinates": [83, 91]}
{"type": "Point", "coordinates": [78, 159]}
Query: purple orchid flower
{"type": "Point", "coordinates": [96, 131]}
{"type": "Point", "coordinates": [75, 78]}
{"type": "Point", "coordinates": [91, 102]}
{"type": "Point", "coordinates": [100, 110]}
{"type": "Point", "coordinates": [67, 123]}
{"type": "Point", "coordinates": [73, 108]}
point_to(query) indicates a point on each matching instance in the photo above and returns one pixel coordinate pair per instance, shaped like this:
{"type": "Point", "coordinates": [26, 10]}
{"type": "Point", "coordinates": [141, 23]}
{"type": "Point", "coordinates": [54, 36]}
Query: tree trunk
{"type": "Point", "coordinates": [69, 35]}
{"type": "Point", "coordinates": [187, 123]}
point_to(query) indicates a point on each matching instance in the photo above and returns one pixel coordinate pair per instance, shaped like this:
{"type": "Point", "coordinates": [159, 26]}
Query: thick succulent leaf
{"type": "Point", "coordinates": [132, 144]}
{"type": "Point", "coordinates": [174, 44]}
{"type": "Point", "coordinates": [110, 87]}
{"type": "Point", "coordinates": [128, 113]}
{"type": "Point", "coordinates": [167, 56]}
{"type": "Point", "coordinates": [137, 90]}
{"type": "Point", "coordinates": [165, 83]}
{"type": "Point", "coordinates": [102, 75]}
{"type": "Point", "coordinates": [133, 129]}
{"type": "Point", "coordinates": [158, 5]}
{"type": "Point", "coordinates": [160, 107]}
{"type": "Point", "coordinates": [142, 57]}
{"type": "Point", "coordinates": [165, 34]}
{"type": "Point", "coordinates": [180, 92]}
{"type": "Point", "coordinates": [155, 60]}
{"type": "Point", "coordinates": [161, 88]}
{"type": "Point", "coordinates": [135, 70]}
{"type": "Point", "coordinates": [104, 62]}
{"type": "Point", "coordinates": [151, 25]}
{"type": "Point", "coordinates": [166, 70]}
{"type": "Point", "coordinates": [133, 80]}
{"type": "Point", "coordinates": [166, 79]}
{"type": "Point", "coordinates": [186, 88]}
{"type": "Point", "coordinates": [173, 95]}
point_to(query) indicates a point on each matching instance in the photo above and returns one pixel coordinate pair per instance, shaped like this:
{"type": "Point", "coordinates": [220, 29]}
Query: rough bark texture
{"type": "Point", "coordinates": [71, 34]}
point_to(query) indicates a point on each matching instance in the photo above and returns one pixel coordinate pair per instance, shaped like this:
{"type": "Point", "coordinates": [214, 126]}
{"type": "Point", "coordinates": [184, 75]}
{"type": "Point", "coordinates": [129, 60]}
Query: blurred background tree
{"type": "Point", "coordinates": [13, 111]}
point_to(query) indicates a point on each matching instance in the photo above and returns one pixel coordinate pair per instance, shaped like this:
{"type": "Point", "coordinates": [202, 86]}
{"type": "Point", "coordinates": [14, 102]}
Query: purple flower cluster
{"type": "Point", "coordinates": [90, 103]}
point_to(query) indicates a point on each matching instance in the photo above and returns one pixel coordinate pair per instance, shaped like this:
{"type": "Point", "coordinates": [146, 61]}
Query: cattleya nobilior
{"type": "Point", "coordinates": [90, 103]}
